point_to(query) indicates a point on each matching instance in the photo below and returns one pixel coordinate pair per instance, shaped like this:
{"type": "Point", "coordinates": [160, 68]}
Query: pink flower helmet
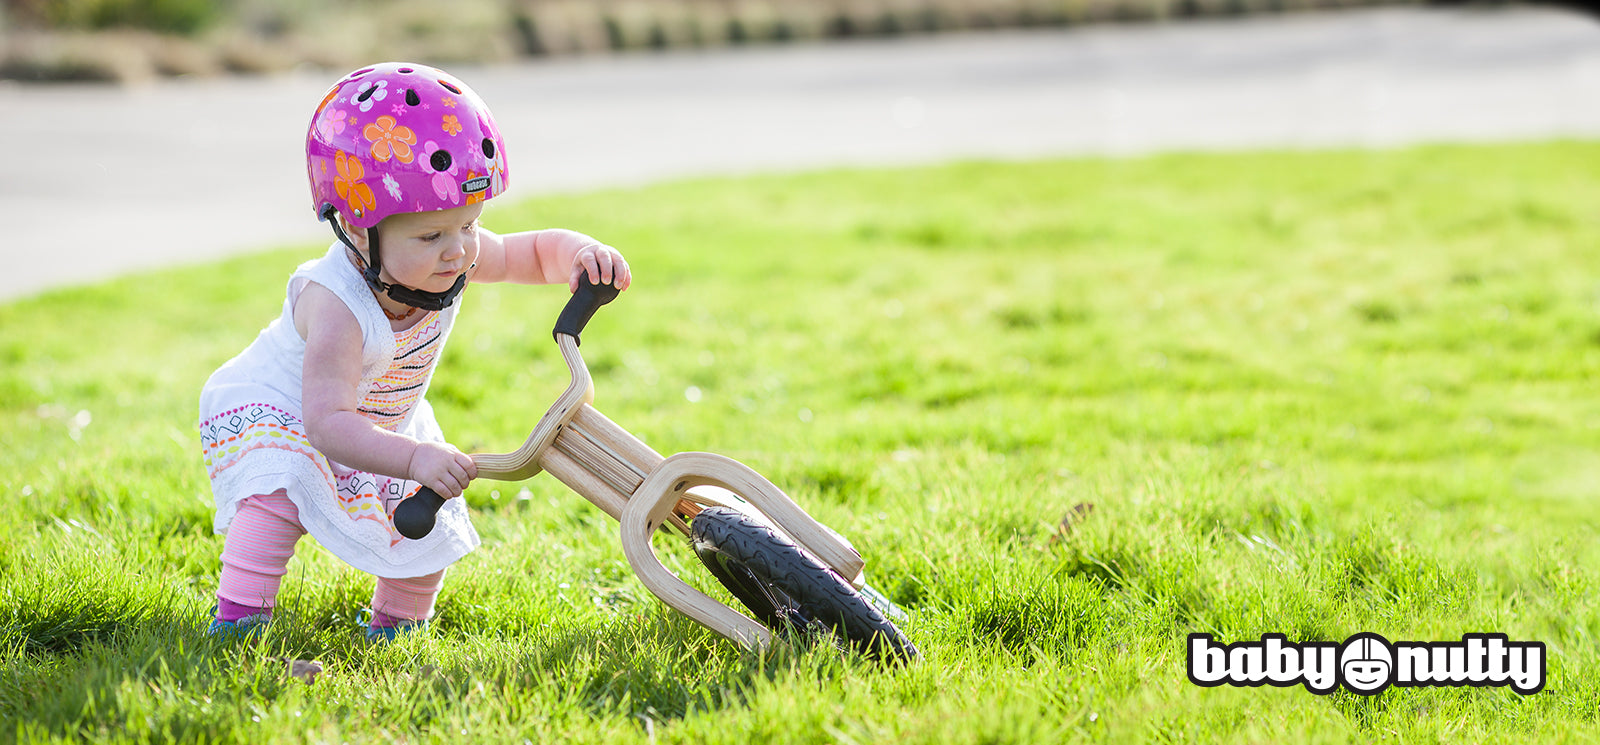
{"type": "Point", "coordinates": [401, 137]}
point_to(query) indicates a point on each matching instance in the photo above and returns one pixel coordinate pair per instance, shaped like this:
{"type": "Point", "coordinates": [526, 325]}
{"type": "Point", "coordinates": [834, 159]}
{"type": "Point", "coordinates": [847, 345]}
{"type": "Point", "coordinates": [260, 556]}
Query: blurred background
{"type": "Point", "coordinates": [148, 133]}
{"type": "Point", "coordinates": [133, 40]}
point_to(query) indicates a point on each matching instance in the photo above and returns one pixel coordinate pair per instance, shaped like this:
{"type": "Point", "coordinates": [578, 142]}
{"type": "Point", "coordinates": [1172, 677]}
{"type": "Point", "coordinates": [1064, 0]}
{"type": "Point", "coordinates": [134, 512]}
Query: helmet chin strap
{"type": "Point", "coordinates": [396, 292]}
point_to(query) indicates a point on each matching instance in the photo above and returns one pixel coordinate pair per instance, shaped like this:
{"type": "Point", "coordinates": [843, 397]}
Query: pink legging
{"type": "Point", "coordinates": [255, 556]}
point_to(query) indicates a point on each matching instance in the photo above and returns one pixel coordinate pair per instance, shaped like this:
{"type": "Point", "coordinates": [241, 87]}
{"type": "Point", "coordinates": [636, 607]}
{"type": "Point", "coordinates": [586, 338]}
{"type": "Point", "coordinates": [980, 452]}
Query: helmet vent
{"type": "Point", "coordinates": [488, 148]}
{"type": "Point", "coordinates": [440, 160]}
{"type": "Point", "coordinates": [406, 71]}
{"type": "Point", "coordinates": [366, 94]}
{"type": "Point", "coordinates": [449, 87]}
{"type": "Point", "coordinates": [412, 99]}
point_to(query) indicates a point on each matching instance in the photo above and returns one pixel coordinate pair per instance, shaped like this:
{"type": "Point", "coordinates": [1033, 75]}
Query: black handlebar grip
{"type": "Point", "coordinates": [582, 306]}
{"type": "Point", "coordinates": [414, 517]}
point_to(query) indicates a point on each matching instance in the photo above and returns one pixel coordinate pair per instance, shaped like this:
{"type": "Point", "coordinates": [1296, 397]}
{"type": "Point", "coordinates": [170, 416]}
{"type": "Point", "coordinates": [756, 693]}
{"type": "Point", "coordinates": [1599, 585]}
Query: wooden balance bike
{"type": "Point", "coordinates": [792, 572]}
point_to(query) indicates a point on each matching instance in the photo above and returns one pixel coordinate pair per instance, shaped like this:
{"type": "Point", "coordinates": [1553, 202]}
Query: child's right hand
{"type": "Point", "coordinates": [442, 468]}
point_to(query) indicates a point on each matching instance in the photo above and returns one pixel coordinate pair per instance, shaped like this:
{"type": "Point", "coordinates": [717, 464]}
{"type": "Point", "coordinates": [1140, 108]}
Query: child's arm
{"type": "Point", "coordinates": [547, 257]}
{"type": "Point", "coordinates": [328, 403]}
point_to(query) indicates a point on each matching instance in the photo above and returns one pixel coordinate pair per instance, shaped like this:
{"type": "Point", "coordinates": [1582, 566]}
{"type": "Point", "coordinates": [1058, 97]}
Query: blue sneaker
{"type": "Point", "coordinates": [248, 628]}
{"type": "Point", "coordinates": [386, 634]}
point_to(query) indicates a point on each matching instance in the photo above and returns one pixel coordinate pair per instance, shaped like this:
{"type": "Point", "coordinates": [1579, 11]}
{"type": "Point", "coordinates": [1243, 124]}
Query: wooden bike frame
{"type": "Point", "coordinates": [621, 475]}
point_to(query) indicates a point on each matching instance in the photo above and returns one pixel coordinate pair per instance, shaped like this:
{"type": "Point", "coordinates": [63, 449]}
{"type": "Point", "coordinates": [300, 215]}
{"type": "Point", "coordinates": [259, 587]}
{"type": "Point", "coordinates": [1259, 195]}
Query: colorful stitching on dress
{"type": "Point", "coordinates": [393, 394]}
{"type": "Point", "coordinates": [226, 438]}
{"type": "Point", "coordinates": [368, 496]}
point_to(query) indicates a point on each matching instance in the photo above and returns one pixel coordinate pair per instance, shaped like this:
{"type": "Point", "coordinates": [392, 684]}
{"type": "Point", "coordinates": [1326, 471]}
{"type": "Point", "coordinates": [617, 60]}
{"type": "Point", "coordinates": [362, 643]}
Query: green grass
{"type": "Point", "coordinates": [1311, 393]}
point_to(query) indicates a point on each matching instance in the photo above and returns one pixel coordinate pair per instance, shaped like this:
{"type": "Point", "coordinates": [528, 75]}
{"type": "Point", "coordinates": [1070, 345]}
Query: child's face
{"type": "Point", "coordinates": [428, 250]}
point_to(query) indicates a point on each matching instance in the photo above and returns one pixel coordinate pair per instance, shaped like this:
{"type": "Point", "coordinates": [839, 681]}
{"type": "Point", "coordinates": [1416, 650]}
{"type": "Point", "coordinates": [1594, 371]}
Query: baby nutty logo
{"type": "Point", "coordinates": [1366, 663]}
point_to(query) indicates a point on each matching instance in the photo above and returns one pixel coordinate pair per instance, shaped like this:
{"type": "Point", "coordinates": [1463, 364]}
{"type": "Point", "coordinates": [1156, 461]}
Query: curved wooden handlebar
{"type": "Point", "coordinates": [523, 463]}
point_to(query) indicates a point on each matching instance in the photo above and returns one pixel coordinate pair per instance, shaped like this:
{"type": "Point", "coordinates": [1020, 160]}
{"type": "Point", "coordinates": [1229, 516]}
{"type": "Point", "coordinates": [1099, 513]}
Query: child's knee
{"type": "Point", "coordinates": [260, 539]}
{"type": "Point", "coordinates": [278, 504]}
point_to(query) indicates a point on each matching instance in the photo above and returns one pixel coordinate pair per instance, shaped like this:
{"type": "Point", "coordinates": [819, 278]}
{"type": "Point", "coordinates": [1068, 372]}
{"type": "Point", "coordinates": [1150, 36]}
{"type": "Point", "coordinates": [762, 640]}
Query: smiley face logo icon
{"type": "Point", "coordinates": [1365, 663]}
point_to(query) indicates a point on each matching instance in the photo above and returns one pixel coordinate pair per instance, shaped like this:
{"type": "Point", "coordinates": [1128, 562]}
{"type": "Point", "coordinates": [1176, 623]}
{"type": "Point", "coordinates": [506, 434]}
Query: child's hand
{"type": "Point", "coordinates": [442, 468]}
{"type": "Point", "coordinates": [603, 264]}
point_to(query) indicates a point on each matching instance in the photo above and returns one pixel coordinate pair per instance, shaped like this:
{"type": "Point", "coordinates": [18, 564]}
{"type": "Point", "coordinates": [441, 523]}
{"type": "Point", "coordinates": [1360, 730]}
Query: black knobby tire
{"type": "Point", "coordinates": [787, 588]}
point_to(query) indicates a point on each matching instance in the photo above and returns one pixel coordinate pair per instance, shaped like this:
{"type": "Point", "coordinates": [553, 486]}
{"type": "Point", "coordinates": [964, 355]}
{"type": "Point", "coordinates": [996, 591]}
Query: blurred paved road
{"type": "Point", "coordinates": [100, 181]}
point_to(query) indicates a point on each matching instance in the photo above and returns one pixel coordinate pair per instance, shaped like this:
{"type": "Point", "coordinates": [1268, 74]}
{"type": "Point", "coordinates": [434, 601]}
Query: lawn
{"type": "Point", "coordinates": [1309, 393]}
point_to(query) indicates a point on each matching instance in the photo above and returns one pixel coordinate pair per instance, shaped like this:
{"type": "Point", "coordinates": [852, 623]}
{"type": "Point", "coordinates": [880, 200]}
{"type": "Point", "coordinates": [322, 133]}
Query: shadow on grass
{"type": "Point", "coordinates": [43, 628]}
{"type": "Point", "coordinates": [662, 668]}
{"type": "Point", "coordinates": [80, 662]}
{"type": "Point", "coordinates": [97, 669]}
{"type": "Point", "coordinates": [115, 678]}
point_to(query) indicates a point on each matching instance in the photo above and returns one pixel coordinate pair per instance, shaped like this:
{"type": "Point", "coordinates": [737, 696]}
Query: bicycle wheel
{"type": "Point", "coordinates": [787, 588]}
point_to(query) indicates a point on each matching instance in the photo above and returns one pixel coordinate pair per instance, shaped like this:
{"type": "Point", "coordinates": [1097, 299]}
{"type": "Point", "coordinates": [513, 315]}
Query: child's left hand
{"type": "Point", "coordinates": [603, 264]}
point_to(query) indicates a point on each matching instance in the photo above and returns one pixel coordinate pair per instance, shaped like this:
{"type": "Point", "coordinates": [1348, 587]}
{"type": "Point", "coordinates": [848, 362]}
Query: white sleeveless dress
{"type": "Point", "coordinates": [254, 440]}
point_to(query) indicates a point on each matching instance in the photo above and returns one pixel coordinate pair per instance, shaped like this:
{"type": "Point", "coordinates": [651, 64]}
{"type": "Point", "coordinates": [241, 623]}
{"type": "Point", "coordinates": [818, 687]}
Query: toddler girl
{"type": "Point", "coordinates": [321, 425]}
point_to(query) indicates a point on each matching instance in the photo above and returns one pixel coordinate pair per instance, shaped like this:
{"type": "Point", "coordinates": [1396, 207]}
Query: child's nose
{"type": "Point", "coordinates": [456, 250]}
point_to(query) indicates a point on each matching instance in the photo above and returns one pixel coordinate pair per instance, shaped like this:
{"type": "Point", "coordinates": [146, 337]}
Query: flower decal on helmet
{"type": "Point", "coordinates": [371, 95]}
{"type": "Point", "coordinates": [332, 123]}
{"type": "Point", "coordinates": [389, 140]}
{"type": "Point", "coordinates": [444, 186]}
{"type": "Point", "coordinates": [392, 186]}
{"type": "Point", "coordinates": [489, 129]}
{"type": "Point", "coordinates": [451, 124]}
{"type": "Point", "coordinates": [348, 183]}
